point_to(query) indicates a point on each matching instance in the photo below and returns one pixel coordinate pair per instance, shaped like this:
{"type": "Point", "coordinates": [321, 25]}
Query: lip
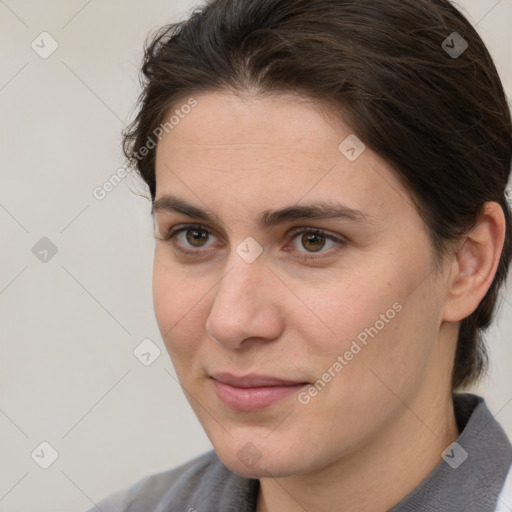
{"type": "Point", "coordinates": [253, 392]}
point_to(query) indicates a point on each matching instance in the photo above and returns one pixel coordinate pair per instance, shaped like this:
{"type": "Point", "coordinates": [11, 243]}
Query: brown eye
{"type": "Point", "coordinates": [313, 242]}
{"type": "Point", "coordinates": [196, 237]}
{"type": "Point", "coordinates": [191, 240]}
{"type": "Point", "coordinates": [310, 243]}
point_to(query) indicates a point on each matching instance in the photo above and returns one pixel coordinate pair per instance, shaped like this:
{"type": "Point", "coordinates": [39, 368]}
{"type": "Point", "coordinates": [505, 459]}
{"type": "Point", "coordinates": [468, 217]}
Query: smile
{"type": "Point", "coordinates": [253, 393]}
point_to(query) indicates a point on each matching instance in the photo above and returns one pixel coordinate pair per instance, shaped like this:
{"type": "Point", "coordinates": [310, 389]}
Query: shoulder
{"type": "Point", "coordinates": [505, 498]}
{"type": "Point", "coordinates": [182, 482]}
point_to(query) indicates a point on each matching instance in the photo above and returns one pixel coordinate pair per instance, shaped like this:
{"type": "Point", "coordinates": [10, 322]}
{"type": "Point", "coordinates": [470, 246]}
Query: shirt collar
{"type": "Point", "coordinates": [473, 469]}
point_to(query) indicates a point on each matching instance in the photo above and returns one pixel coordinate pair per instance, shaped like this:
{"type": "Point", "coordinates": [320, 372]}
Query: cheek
{"type": "Point", "coordinates": [390, 352]}
{"type": "Point", "coordinates": [375, 322]}
{"type": "Point", "coordinates": [178, 304]}
{"type": "Point", "coordinates": [166, 291]}
{"type": "Point", "coordinates": [350, 305]}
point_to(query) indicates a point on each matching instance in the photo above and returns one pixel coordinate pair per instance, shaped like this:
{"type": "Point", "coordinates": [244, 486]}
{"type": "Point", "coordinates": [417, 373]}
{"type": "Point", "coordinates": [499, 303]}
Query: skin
{"type": "Point", "coordinates": [378, 428]}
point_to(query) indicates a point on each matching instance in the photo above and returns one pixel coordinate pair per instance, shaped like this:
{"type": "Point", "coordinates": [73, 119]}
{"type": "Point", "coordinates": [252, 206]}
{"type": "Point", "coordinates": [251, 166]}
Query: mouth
{"type": "Point", "coordinates": [253, 392]}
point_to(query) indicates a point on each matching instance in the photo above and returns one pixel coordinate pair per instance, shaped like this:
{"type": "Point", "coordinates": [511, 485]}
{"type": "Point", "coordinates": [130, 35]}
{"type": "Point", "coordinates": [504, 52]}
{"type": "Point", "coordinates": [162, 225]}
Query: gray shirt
{"type": "Point", "coordinates": [468, 479]}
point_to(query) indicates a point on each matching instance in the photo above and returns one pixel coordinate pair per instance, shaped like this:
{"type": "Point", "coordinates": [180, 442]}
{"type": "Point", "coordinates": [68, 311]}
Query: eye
{"type": "Point", "coordinates": [196, 237]}
{"type": "Point", "coordinates": [188, 239]}
{"type": "Point", "coordinates": [314, 241]}
{"type": "Point", "coordinates": [309, 243]}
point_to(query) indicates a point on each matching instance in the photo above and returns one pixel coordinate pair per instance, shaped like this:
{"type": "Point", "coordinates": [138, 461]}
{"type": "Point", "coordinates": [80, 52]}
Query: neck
{"type": "Point", "coordinates": [380, 474]}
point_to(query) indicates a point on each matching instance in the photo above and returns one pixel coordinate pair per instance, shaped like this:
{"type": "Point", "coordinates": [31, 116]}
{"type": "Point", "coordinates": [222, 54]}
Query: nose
{"type": "Point", "coordinates": [245, 306]}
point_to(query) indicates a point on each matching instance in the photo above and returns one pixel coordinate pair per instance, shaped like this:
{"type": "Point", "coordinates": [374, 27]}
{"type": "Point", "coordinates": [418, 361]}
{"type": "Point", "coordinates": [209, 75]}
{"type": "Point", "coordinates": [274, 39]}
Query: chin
{"type": "Point", "coordinates": [259, 459]}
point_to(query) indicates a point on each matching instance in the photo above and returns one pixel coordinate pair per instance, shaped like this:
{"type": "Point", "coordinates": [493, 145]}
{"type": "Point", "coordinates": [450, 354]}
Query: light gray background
{"type": "Point", "coordinates": [70, 325]}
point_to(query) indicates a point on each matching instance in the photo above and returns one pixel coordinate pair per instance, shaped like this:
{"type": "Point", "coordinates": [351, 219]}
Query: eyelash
{"type": "Point", "coordinates": [289, 236]}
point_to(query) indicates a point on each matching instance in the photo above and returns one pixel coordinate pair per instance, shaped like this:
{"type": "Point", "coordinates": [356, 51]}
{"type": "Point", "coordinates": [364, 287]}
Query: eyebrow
{"type": "Point", "coordinates": [319, 211]}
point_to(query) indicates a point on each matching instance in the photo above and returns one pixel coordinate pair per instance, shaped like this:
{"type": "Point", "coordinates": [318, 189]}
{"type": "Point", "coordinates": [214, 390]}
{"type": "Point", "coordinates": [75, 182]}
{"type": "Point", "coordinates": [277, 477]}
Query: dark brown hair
{"type": "Point", "coordinates": [441, 120]}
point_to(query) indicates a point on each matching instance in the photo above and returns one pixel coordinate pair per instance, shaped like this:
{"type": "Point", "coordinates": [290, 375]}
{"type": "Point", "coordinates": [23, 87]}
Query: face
{"type": "Point", "coordinates": [293, 284]}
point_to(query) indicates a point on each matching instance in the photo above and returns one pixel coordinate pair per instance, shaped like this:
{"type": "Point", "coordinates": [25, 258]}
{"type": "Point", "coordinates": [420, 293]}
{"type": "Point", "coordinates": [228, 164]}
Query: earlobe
{"type": "Point", "coordinates": [475, 263]}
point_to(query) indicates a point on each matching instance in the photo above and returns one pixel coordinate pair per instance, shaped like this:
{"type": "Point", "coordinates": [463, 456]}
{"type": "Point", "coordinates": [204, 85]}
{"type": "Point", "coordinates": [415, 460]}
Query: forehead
{"type": "Point", "coordinates": [277, 126]}
{"type": "Point", "coordinates": [266, 151]}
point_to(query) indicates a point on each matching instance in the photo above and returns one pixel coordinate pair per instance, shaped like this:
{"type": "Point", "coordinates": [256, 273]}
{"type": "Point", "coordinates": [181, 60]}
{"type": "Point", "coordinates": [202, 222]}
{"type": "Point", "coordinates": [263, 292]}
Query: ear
{"type": "Point", "coordinates": [475, 263]}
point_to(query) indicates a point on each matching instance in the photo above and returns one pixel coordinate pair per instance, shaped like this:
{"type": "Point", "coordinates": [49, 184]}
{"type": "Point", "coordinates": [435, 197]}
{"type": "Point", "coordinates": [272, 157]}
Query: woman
{"type": "Point", "coordinates": [328, 185]}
